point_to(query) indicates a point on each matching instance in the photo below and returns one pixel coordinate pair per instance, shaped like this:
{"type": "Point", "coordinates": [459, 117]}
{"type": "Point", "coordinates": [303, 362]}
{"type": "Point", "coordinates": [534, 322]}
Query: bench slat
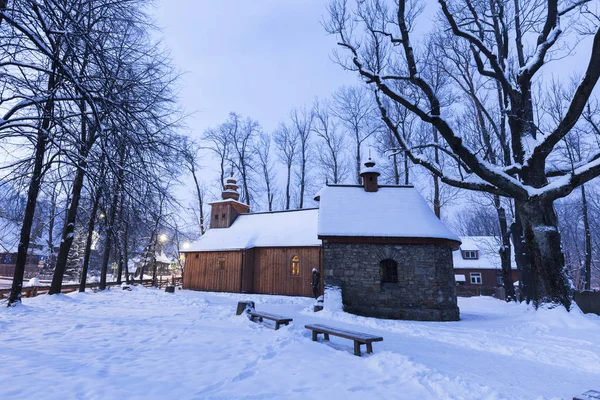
{"type": "Point", "coordinates": [357, 336]}
{"type": "Point", "coordinates": [270, 316]}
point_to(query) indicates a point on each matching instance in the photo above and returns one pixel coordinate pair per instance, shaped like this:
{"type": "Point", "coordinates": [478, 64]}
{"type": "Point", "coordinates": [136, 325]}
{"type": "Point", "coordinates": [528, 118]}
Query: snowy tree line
{"type": "Point", "coordinates": [88, 127]}
{"type": "Point", "coordinates": [470, 102]}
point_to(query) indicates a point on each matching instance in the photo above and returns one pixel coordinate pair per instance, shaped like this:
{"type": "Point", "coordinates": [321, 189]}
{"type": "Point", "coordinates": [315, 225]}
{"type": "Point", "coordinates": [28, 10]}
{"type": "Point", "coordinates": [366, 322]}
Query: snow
{"type": "Point", "coordinates": [460, 278]}
{"type": "Point", "coordinates": [162, 258]}
{"type": "Point", "coordinates": [147, 344]}
{"type": "Point", "coordinates": [390, 212]}
{"type": "Point", "coordinates": [489, 256]}
{"type": "Point", "coordinates": [33, 282]}
{"type": "Point", "coordinates": [296, 228]}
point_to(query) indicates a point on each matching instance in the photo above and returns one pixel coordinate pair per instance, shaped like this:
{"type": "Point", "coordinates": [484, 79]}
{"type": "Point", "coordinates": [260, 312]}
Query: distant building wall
{"type": "Point", "coordinates": [425, 288]}
{"type": "Point", "coordinates": [588, 302]}
{"type": "Point", "coordinates": [489, 277]}
{"type": "Point", "coordinates": [8, 260]}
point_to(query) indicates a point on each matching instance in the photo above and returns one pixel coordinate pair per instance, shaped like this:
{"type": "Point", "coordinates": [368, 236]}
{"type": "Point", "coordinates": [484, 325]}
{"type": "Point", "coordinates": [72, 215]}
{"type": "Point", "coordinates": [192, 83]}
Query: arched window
{"type": "Point", "coordinates": [295, 271]}
{"type": "Point", "coordinates": [388, 269]}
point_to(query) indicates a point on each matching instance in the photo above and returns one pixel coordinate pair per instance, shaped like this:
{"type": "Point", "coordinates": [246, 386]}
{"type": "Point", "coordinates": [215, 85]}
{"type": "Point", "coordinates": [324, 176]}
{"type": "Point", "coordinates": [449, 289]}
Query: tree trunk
{"type": "Point", "coordinates": [126, 252]}
{"type": "Point", "coordinates": [287, 187]}
{"type": "Point", "coordinates": [588, 240]}
{"type": "Point", "coordinates": [505, 256]}
{"type": "Point", "coordinates": [199, 195]}
{"type": "Point", "coordinates": [68, 232]}
{"type": "Point", "coordinates": [49, 265]}
{"type": "Point", "coordinates": [109, 236]}
{"type": "Point", "coordinates": [302, 178]}
{"type": "Point", "coordinates": [32, 194]}
{"type": "Point", "coordinates": [437, 206]}
{"type": "Point", "coordinates": [358, 178]}
{"type": "Point", "coordinates": [549, 283]}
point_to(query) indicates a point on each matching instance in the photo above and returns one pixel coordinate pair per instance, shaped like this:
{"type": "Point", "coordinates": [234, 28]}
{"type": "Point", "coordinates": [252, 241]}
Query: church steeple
{"type": "Point", "coordinates": [224, 212]}
{"type": "Point", "coordinates": [369, 174]}
{"type": "Point", "coordinates": [230, 189]}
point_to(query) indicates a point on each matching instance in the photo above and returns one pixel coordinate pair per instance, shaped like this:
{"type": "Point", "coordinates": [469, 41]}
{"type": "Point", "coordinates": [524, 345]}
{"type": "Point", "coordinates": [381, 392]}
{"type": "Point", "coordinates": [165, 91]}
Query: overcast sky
{"type": "Point", "coordinates": [259, 58]}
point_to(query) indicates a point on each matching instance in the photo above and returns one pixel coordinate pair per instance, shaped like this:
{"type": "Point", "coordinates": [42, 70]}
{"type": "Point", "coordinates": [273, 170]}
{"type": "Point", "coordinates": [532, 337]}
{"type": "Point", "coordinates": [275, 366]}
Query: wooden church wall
{"type": "Point", "coordinates": [213, 271]}
{"type": "Point", "coordinates": [273, 270]}
{"type": "Point", "coordinates": [258, 270]}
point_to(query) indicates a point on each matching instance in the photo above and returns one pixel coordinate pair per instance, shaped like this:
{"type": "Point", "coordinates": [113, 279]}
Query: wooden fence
{"type": "Point", "coordinates": [32, 291]}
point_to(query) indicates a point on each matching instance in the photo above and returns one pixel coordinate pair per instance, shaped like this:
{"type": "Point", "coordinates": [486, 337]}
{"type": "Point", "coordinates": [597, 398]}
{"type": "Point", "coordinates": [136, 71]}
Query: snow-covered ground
{"type": "Point", "coordinates": [147, 344]}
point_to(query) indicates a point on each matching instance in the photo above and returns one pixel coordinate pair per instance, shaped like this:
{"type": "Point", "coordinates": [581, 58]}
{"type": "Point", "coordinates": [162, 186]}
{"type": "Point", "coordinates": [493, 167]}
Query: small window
{"type": "Point", "coordinates": [223, 216]}
{"type": "Point", "coordinates": [7, 259]}
{"type": "Point", "coordinates": [475, 278]}
{"type": "Point", "coordinates": [221, 263]}
{"type": "Point", "coordinates": [470, 254]}
{"type": "Point", "coordinates": [295, 271]}
{"type": "Point", "coordinates": [388, 270]}
{"type": "Point", "coordinates": [216, 216]}
{"type": "Point", "coordinates": [197, 255]}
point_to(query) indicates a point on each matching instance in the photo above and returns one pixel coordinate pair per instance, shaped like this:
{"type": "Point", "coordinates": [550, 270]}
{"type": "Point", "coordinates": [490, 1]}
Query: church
{"type": "Point", "coordinates": [381, 244]}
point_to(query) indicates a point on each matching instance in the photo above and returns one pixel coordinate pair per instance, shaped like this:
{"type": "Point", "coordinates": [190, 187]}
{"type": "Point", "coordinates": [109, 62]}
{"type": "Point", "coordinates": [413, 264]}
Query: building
{"type": "Point", "coordinates": [9, 241]}
{"type": "Point", "coordinates": [381, 244]}
{"type": "Point", "coordinates": [477, 263]}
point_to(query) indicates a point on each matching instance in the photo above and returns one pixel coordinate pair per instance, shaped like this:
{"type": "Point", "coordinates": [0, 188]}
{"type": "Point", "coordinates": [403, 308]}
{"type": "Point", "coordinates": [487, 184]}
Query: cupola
{"type": "Point", "coordinates": [224, 212]}
{"type": "Point", "coordinates": [369, 174]}
{"type": "Point", "coordinates": [230, 189]}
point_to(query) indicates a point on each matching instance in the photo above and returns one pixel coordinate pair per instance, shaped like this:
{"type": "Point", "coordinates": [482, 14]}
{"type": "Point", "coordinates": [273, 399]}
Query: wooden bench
{"type": "Point", "coordinates": [358, 337]}
{"type": "Point", "coordinates": [278, 319]}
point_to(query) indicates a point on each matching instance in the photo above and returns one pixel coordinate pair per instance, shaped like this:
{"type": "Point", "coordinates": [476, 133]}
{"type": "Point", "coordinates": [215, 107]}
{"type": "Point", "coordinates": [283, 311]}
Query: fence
{"type": "Point", "coordinates": [470, 291]}
{"type": "Point", "coordinates": [32, 291]}
{"type": "Point", "coordinates": [588, 302]}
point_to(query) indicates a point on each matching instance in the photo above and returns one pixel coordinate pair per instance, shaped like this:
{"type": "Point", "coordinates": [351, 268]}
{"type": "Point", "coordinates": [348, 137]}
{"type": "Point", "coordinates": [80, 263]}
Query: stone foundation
{"type": "Point", "coordinates": [425, 290]}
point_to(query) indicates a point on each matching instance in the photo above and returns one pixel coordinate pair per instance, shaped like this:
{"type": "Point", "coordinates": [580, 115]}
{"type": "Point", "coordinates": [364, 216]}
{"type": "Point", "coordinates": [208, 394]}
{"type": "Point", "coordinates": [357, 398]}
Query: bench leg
{"type": "Point", "coordinates": [314, 336]}
{"type": "Point", "coordinates": [326, 336]}
{"type": "Point", "coordinates": [369, 347]}
{"type": "Point", "coordinates": [356, 348]}
{"type": "Point", "coordinates": [276, 325]}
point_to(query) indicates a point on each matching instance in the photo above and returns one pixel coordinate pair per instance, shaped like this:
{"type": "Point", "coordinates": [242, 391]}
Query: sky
{"type": "Point", "coordinates": [259, 58]}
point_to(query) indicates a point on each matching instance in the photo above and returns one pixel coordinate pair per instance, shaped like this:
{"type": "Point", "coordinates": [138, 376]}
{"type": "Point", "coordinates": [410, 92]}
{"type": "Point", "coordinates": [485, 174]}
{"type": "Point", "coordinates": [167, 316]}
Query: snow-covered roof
{"type": "Point", "coordinates": [488, 253]}
{"type": "Point", "coordinates": [398, 211]}
{"type": "Point", "coordinates": [272, 229]}
{"type": "Point", "coordinates": [162, 258]}
{"type": "Point", "coordinates": [228, 201]}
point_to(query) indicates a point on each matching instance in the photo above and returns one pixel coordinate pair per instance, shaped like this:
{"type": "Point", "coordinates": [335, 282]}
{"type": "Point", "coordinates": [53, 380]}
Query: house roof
{"type": "Point", "coordinates": [296, 228]}
{"type": "Point", "coordinates": [397, 212]}
{"type": "Point", "coordinates": [489, 256]}
{"type": "Point", "coordinates": [162, 258]}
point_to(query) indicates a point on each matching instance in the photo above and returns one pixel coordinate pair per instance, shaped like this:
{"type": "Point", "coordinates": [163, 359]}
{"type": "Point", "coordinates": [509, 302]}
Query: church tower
{"type": "Point", "coordinates": [224, 212]}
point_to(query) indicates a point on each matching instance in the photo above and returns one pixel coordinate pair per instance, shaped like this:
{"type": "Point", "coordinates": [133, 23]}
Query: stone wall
{"type": "Point", "coordinates": [425, 290]}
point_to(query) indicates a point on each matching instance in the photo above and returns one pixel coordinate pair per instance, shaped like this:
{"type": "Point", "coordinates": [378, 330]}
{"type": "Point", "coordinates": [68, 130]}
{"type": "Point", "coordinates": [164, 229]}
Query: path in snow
{"type": "Point", "coordinates": [190, 345]}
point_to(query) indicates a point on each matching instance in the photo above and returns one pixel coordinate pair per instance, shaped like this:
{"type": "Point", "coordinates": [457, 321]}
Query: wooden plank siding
{"type": "Point", "coordinates": [218, 271]}
{"type": "Point", "coordinates": [273, 267]}
{"type": "Point", "coordinates": [257, 270]}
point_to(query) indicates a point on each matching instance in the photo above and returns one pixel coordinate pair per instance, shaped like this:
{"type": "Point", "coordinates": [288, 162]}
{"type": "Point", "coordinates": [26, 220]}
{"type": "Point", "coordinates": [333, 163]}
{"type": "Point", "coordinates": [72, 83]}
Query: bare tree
{"type": "Point", "coordinates": [384, 56]}
{"type": "Point", "coordinates": [286, 140]}
{"type": "Point", "coordinates": [354, 106]}
{"type": "Point", "coordinates": [264, 156]}
{"type": "Point", "coordinates": [190, 155]}
{"type": "Point", "coordinates": [331, 146]}
{"type": "Point", "coordinates": [243, 134]}
{"type": "Point", "coordinates": [301, 123]}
